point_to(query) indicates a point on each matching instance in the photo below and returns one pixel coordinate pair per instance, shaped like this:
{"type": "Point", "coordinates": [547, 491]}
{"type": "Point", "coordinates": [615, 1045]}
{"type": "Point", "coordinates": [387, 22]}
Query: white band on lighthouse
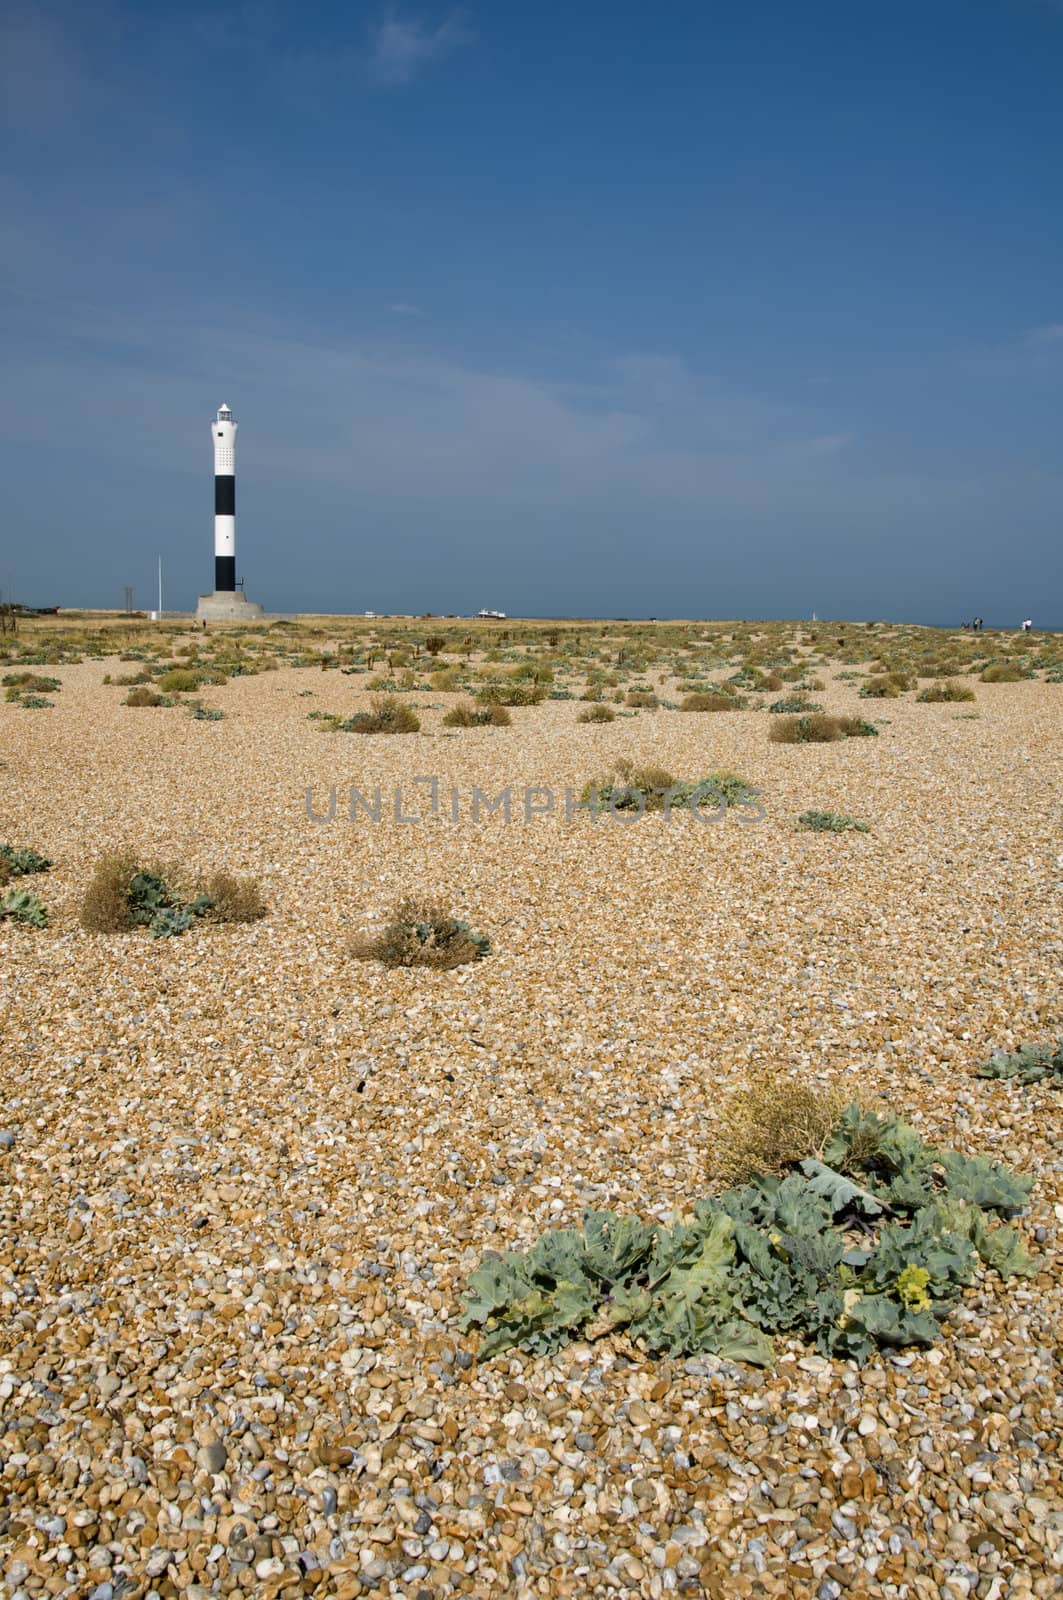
{"type": "Point", "coordinates": [224, 536]}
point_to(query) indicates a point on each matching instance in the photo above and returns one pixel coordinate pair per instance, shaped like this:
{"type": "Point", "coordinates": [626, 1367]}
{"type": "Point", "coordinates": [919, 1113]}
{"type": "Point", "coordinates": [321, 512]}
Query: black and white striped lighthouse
{"type": "Point", "coordinates": [227, 603]}
{"type": "Point", "coordinates": [223, 430]}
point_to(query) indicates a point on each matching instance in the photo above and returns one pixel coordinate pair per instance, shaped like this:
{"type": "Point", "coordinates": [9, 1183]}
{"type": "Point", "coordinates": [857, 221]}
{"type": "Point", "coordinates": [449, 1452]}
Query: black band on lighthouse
{"type": "Point", "coordinates": [225, 572]}
{"type": "Point", "coordinates": [225, 496]}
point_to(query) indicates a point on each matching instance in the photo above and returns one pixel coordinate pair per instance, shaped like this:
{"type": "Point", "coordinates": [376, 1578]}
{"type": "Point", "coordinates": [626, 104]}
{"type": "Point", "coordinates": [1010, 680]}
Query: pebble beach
{"type": "Point", "coordinates": [244, 1177]}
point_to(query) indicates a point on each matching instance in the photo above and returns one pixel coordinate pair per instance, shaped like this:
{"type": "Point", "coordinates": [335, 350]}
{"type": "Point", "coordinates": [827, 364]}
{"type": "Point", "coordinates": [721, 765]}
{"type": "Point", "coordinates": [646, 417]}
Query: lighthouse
{"type": "Point", "coordinates": [227, 603]}
{"type": "Point", "coordinates": [224, 431]}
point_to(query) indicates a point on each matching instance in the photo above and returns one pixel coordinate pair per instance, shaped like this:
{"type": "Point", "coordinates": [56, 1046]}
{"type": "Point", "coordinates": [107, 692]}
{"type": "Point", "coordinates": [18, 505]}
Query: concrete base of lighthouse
{"type": "Point", "coordinates": [227, 605]}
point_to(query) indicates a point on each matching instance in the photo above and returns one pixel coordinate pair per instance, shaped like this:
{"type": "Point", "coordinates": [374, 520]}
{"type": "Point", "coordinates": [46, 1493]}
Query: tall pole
{"type": "Point", "coordinates": [160, 586]}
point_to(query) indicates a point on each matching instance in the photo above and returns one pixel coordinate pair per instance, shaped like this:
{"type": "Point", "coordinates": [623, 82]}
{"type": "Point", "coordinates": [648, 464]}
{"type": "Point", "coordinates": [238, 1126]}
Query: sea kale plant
{"type": "Point", "coordinates": [647, 788]}
{"type": "Point", "coordinates": [866, 1248]}
{"type": "Point", "coordinates": [1031, 1063]}
{"type": "Point", "coordinates": [830, 822]}
{"type": "Point", "coordinates": [19, 905]}
{"type": "Point", "coordinates": [17, 863]}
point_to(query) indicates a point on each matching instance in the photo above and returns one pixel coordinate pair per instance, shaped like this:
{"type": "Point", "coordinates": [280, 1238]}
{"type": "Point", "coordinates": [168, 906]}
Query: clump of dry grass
{"type": "Point", "coordinates": [1002, 672]}
{"type": "Point", "coordinates": [420, 933]}
{"type": "Point", "coordinates": [142, 697]}
{"type": "Point", "coordinates": [105, 906]}
{"type": "Point", "coordinates": [642, 699]}
{"type": "Point", "coordinates": [597, 713]}
{"type": "Point", "coordinates": [511, 694]}
{"type": "Point", "coordinates": [771, 1124]}
{"type": "Point", "coordinates": [947, 691]}
{"type": "Point", "coordinates": [233, 899]}
{"type": "Point", "coordinates": [817, 728]}
{"type": "Point", "coordinates": [471, 716]}
{"type": "Point", "coordinates": [886, 685]}
{"type": "Point", "coordinates": [703, 701]}
{"type": "Point", "coordinates": [385, 715]}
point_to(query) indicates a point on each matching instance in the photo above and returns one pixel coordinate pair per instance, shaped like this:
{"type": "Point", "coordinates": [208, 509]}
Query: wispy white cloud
{"type": "Point", "coordinates": [402, 47]}
{"type": "Point", "coordinates": [1051, 333]}
{"type": "Point", "coordinates": [822, 444]}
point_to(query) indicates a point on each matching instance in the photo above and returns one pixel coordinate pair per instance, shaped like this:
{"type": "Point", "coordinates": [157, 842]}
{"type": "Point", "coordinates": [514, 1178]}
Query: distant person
{"type": "Point", "coordinates": [1027, 625]}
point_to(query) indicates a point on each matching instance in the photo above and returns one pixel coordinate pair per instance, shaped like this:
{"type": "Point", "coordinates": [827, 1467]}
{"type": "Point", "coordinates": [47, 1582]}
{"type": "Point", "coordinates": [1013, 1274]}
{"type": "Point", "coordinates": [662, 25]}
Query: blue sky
{"type": "Point", "coordinates": [711, 309]}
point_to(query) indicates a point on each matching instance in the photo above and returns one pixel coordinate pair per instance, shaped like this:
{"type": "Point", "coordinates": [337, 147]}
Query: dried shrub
{"type": "Point", "coordinates": [818, 729]}
{"type": "Point", "coordinates": [385, 715]}
{"type": "Point", "coordinates": [597, 713]}
{"type": "Point", "coordinates": [186, 680]}
{"type": "Point", "coordinates": [771, 1125]}
{"type": "Point", "coordinates": [470, 716]}
{"type": "Point", "coordinates": [143, 697]}
{"type": "Point", "coordinates": [950, 690]}
{"type": "Point", "coordinates": [886, 686]}
{"type": "Point", "coordinates": [642, 699]}
{"type": "Point", "coordinates": [711, 702]}
{"type": "Point", "coordinates": [233, 899]}
{"type": "Point", "coordinates": [105, 906]}
{"type": "Point", "coordinates": [511, 693]}
{"type": "Point", "coordinates": [1002, 672]}
{"type": "Point", "coordinates": [421, 934]}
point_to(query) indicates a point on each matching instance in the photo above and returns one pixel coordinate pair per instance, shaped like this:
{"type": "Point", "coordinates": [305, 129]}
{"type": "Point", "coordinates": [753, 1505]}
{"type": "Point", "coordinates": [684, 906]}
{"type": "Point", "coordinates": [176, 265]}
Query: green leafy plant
{"type": "Point", "coordinates": [21, 906]}
{"type": "Point", "coordinates": [830, 822]}
{"type": "Point", "coordinates": [867, 1248]}
{"type": "Point", "coordinates": [23, 685]}
{"type": "Point", "coordinates": [155, 906]}
{"type": "Point", "coordinates": [793, 703]}
{"type": "Point", "coordinates": [19, 863]}
{"type": "Point", "coordinates": [421, 934]}
{"type": "Point", "coordinates": [208, 714]}
{"type": "Point", "coordinates": [1031, 1063]}
{"type": "Point", "coordinates": [632, 788]}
